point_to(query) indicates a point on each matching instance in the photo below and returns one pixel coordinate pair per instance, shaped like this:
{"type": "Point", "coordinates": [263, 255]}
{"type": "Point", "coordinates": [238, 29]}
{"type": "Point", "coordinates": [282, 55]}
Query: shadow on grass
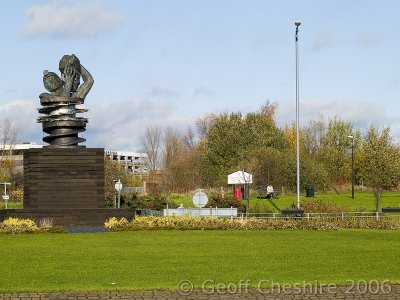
{"type": "Point", "coordinates": [274, 205]}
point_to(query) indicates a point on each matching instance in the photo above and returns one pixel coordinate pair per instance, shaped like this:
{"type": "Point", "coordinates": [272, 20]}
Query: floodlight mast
{"type": "Point", "coordinates": [297, 24]}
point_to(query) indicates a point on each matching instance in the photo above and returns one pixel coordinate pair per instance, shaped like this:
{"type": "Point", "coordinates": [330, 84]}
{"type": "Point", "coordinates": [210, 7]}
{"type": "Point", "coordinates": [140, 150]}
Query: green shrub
{"type": "Point", "coordinates": [216, 200]}
{"type": "Point", "coordinates": [319, 206]}
{"type": "Point", "coordinates": [147, 201]}
{"type": "Point", "coordinates": [369, 223]}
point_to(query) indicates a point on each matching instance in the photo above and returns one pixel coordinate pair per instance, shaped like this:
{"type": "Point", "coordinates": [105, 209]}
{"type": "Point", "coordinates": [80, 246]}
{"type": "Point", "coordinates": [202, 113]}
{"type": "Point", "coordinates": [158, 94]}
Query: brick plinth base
{"type": "Point", "coordinates": [57, 178]}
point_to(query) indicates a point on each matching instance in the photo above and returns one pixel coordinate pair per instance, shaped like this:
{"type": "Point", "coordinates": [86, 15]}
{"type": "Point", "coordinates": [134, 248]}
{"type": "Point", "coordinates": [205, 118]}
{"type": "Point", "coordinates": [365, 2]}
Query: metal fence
{"type": "Point", "coordinates": [327, 216]}
{"type": "Point", "coordinates": [232, 213]}
{"type": "Point", "coordinates": [202, 212]}
{"type": "Point", "coordinates": [149, 212]}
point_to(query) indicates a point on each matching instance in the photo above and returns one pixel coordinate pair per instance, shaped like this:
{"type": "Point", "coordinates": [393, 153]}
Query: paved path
{"type": "Point", "coordinates": [340, 293]}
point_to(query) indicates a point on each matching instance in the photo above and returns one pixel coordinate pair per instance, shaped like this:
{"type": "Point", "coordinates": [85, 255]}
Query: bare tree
{"type": "Point", "coordinates": [313, 135]}
{"type": "Point", "coordinates": [203, 124]}
{"type": "Point", "coordinates": [173, 146]}
{"type": "Point", "coordinates": [8, 171]}
{"type": "Point", "coordinates": [9, 132]}
{"type": "Point", "coordinates": [189, 138]}
{"type": "Point", "coordinates": [151, 144]}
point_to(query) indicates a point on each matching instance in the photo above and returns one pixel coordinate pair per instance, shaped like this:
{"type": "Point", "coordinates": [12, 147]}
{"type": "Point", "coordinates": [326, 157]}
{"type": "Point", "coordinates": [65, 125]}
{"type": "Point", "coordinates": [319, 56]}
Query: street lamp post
{"type": "Point", "coordinates": [297, 24]}
{"type": "Point", "coordinates": [352, 165]}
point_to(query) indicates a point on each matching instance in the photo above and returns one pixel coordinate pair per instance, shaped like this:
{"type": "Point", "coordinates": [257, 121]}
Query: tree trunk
{"type": "Point", "coordinates": [377, 196]}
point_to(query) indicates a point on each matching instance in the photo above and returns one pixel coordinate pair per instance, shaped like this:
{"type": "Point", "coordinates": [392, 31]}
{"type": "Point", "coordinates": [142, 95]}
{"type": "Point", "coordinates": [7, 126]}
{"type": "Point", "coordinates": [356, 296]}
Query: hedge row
{"type": "Point", "coordinates": [214, 223]}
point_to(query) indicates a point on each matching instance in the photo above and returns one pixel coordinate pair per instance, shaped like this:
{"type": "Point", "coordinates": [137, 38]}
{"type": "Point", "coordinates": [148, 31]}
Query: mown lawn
{"type": "Point", "coordinates": [161, 259]}
{"type": "Point", "coordinates": [363, 201]}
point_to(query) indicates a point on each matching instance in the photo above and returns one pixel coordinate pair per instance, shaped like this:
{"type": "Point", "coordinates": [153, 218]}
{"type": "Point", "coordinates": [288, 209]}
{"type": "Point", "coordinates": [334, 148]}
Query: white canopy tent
{"type": "Point", "coordinates": [240, 177]}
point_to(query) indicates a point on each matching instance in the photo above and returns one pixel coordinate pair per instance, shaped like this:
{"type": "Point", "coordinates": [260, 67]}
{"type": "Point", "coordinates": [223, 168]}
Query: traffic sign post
{"type": "Point", "coordinates": [5, 196]}
{"type": "Point", "coordinates": [118, 188]}
{"type": "Point", "coordinates": [200, 199]}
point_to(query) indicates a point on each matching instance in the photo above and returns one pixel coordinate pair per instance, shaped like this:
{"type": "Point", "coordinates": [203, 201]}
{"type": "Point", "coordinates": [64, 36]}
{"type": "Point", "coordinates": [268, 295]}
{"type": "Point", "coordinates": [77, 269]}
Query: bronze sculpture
{"type": "Point", "coordinates": [59, 106]}
{"type": "Point", "coordinates": [65, 181]}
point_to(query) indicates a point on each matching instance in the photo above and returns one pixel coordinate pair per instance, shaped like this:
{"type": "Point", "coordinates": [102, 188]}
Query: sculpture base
{"type": "Point", "coordinates": [64, 178]}
{"type": "Point", "coordinates": [79, 217]}
{"type": "Point", "coordinates": [67, 186]}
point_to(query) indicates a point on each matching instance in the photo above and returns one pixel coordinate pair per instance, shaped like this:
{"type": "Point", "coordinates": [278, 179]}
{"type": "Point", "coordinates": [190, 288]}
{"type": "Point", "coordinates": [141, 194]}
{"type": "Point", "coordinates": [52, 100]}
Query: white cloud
{"type": "Point", "coordinates": [361, 114]}
{"type": "Point", "coordinates": [163, 92]}
{"type": "Point", "coordinates": [114, 126]}
{"type": "Point", "coordinates": [370, 39]}
{"type": "Point", "coordinates": [321, 41]}
{"type": "Point", "coordinates": [119, 126]}
{"type": "Point", "coordinates": [203, 91]}
{"type": "Point", "coordinates": [73, 20]}
{"type": "Point", "coordinates": [24, 114]}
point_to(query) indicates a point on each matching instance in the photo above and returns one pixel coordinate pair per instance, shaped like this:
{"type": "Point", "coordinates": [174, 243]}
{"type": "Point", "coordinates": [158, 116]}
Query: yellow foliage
{"type": "Point", "coordinates": [15, 225]}
{"type": "Point", "coordinates": [215, 223]}
{"type": "Point", "coordinates": [115, 223]}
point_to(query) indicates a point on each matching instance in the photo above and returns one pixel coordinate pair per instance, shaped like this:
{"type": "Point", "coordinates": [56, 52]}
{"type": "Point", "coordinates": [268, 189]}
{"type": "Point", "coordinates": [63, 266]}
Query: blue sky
{"type": "Point", "coordinates": [168, 62]}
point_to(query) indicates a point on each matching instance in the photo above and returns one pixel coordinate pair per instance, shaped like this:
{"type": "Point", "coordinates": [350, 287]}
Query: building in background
{"type": "Point", "coordinates": [134, 163]}
{"type": "Point", "coordinates": [15, 152]}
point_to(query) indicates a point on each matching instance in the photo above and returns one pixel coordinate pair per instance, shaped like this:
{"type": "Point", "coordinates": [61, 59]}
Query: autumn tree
{"type": "Point", "coordinates": [186, 172]}
{"type": "Point", "coordinates": [380, 164]}
{"type": "Point", "coordinates": [232, 137]}
{"type": "Point", "coordinates": [334, 153]}
{"type": "Point", "coordinates": [268, 110]}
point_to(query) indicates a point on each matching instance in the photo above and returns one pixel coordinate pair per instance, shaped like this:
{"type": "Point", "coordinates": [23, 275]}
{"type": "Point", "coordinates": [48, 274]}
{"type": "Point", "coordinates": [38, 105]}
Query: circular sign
{"type": "Point", "coordinates": [118, 186]}
{"type": "Point", "coordinates": [200, 199]}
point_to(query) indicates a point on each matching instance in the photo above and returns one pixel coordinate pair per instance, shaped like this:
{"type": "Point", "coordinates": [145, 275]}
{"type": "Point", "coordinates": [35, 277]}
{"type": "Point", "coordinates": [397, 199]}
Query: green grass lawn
{"type": "Point", "coordinates": [363, 201]}
{"type": "Point", "coordinates": [10, 205]}
{"type": "Point", "coordinates": [160, 259]}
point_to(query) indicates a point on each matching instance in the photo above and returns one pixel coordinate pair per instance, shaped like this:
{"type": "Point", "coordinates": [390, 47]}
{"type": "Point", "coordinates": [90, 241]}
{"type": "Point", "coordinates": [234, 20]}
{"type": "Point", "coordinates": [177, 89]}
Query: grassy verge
{"type": "Point", "coordinates": [161, 259]}
{"type": "Point", "coordinates": [10, 205]}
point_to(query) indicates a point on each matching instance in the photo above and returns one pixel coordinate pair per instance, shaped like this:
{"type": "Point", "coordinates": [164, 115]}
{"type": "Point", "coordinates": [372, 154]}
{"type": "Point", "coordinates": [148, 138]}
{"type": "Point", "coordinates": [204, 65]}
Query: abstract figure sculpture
{"type": "Point", "coordinates": [59, 106]}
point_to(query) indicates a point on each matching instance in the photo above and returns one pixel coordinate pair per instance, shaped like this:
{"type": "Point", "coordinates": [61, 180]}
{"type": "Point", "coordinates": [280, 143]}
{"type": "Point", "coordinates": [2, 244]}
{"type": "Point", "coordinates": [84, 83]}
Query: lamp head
{"type": "Point", "coordinates": [297, 23]}
{"type": "Point", "coordinates": [350, 137]}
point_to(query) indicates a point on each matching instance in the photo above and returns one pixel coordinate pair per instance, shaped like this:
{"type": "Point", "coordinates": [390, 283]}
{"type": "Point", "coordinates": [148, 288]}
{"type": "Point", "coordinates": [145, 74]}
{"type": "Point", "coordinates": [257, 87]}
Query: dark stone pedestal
{"type": "Point", "coordinates": [64, 178]}
{"type": "Point", "coordinates": [66, 185]}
